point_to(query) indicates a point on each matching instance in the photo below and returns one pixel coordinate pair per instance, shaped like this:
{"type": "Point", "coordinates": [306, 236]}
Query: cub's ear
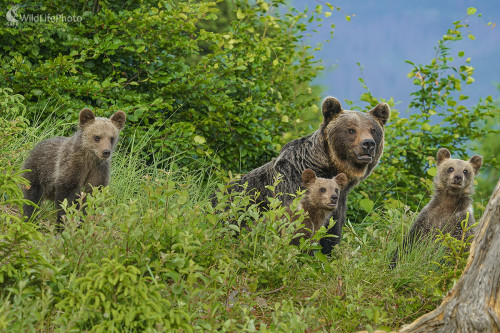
{"type": "Point", "coordinates": [118, 119]}
{"type": "Point", "coordinates": [330, 108]}
{"type": "Point", "coordinates": [86, 115]}
{"type": "Point", "coordinates": [381, 112]}
{"type": "Point", "coordinates": [442, 154]}
{"type": "Point", "coordinates": [341, 180]}
{"type": "Point", "coordinates": [308, 177]}
{"type": "Point", "coordinates": [476, 162]}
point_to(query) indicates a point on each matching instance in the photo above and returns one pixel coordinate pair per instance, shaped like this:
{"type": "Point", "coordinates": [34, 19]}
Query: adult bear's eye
{"type": "Point", "coordinates": [322, 190]}
{"type": "Point", "coordinates": [466, 172]}
{"type": "Point", "coordinates": [373, 131]}
{"type": "Point", "coordinates": [351, 131]}
{"type": "Point", "coordinates": [450, 169]}
{"type": "Point", "coordinates": [337, 190]}
{"type": "Point", "coordinates": [97, 138]}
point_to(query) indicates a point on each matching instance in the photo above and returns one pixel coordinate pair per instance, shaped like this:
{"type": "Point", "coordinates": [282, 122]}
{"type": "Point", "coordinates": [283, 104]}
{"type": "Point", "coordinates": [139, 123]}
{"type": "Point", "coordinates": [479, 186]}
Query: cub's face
{"type": "Point", "coordinates": [456, 175]}
{"type": "Point", "coordinates": [101, 134]}
{"type": "Point", "coordinates": [323, 193]}
{"type": "Point", "coordinates": [355, 139]}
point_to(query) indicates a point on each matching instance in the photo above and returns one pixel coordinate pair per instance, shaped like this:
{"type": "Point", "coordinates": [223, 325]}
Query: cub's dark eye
{"type": "Point", "coordinates": [351, 131]}
{"type": "Point", "coordinates": [337, 190]}
{"type": "Point", "coordinates": [373, 131]}
{"type": "Point", "coordinates": [97, 138]}
{"type": "Point", "coordinates": [322, 190]}
{"type": "Point", "coordinates": [450, 169]}
{"type": "Point", "coordinates": [466, 172]}
{"type": "Point", "coordinates": [112, 140]}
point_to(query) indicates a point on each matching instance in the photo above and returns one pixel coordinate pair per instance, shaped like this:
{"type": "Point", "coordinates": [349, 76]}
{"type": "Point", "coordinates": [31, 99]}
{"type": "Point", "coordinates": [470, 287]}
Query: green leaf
{"type": "Point", "coordinates": [471, 36]}
{"type": "Point", "coordinates": [461, 53]}
{"type": "Point", "coordinates": [432, 171]}
{"type": "Point", "coordinates": [366, 205]}
{"type": "Point", "coordinates": [471, 11]}
{"type": "Point", "coordinates": [348, 18]}
{"type": "Point", "coordinates": [240, 15]}
{"type": "Point", "coordinates": [199, 139]}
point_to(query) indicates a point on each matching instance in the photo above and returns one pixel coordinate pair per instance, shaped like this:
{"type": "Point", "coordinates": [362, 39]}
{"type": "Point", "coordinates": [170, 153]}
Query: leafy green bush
{"type": "Point", "coordinates": [24, 268]}
{"type": "Point", "coordinates": [112, 296]}
{"type": "Point", "coordinates": [227, 96]}
{"type": "Point", "coordinates": [453, 262]}
{"type": "Point", "coordinates": [438, 120]}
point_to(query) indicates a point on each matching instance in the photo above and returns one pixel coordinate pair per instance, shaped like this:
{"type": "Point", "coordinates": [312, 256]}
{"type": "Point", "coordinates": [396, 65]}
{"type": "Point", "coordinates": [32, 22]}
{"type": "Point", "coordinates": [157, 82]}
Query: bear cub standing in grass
{"type": "Point", "coordinates": [320, 200]}
{"type": "Point", "coordinates": [61, 166]}
{"type": "Point", "coordinates": [452, 200]}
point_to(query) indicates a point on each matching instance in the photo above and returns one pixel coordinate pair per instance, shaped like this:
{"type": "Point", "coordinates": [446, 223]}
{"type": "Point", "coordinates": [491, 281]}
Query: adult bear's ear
{"type": "Point", "coordinates": [118, 119]}
{"type": "Point", "coordinates": [476, 162]}
{"type": "Point", "coordinates": [442, 154]}
{"type": "Point", "coordinates": [308, 177]}
{"type": "Point", "coordinates": [86, 115]}
{"type": "Point", "coordinates": [341, 180]}
{"type": "Point", "coordinates": [381, 112]}
{"type": "Point", "coordinates": [330, 108]}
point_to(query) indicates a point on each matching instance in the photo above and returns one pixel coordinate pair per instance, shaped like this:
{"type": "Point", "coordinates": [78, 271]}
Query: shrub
{"type": "Point", "coordinates": [438, 119]}
{"type": "Point", "coordinates": [227, 96]}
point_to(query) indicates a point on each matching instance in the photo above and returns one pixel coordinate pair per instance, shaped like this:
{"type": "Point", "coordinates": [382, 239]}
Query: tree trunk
{"type": "Point", "coordinates": [473, 305]}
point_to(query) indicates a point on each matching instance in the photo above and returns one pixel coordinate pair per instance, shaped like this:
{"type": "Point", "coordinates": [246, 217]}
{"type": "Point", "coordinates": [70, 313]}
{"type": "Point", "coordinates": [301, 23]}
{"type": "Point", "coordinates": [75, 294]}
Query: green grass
{"type": "Point", "coordinates": [153, 255]}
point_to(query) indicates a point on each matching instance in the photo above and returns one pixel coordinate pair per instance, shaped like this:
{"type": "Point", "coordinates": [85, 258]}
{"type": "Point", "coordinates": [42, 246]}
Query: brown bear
{"type": "Point", "coordinates": [349, 142]}
{"type": "Point", "coordinates": [450, 203]}
{"type": "Point", "coordinates": [320, 199]}
{"type": "Point", "coordinates": [60, 167]}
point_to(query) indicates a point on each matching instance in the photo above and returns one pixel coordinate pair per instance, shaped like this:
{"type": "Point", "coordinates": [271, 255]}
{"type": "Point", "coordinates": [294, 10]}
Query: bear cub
{"type": "Point", "coordinates": [452, 199]}
{"type": "Point", "coordinates": [321, 198]}
{"type": "Point", "coordinates": [61, 166]}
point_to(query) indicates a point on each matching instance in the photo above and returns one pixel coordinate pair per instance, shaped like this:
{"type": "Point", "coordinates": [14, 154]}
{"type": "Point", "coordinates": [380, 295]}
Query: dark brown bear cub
{"type": "Point", "coordinates": [61, 167]}
{"type": "Point", "coordinates": [320, 200]}
{"type": "Point", "coordinates": [452, 200]}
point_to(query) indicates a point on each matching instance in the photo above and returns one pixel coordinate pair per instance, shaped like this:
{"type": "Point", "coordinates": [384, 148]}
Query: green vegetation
{"type": "Point", "coordinates": [227, 94]}
{"type": "Point", "coordinates": [151, 254]}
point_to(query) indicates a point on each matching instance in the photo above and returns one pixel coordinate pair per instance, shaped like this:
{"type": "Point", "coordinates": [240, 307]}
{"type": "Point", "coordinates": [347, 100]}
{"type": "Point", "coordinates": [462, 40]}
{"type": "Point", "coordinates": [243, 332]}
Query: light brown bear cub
{"type": "Point", "coordinates": [320, 200]}
{"type": "Point", "coordinates": [452, 200]}
{"type": "Point", "coordinates": [61, 167]}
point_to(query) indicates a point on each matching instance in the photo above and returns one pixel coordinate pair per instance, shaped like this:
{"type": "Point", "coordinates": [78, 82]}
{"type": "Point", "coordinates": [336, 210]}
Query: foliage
{"type": "Point", "coordinates": [227, 94]}
{"type": "Point", "coordinates": [112, 296]}
{"type": "Point", "coordinates": [450, 268]}
{"type": "Point", "coordinates": [489, 147]}
{"type": "Point", "coordinates": [438, 119]}
{"type": "Point", "coordinates": [150, 252]}
{"type": "Point", "coordinates": [21, 264]}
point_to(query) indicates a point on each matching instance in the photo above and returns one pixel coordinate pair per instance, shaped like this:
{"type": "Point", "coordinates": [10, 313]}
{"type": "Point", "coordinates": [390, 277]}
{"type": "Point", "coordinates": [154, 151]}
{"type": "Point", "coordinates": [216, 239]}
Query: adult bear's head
{"type": "Point", "coordinates": [353, 140]}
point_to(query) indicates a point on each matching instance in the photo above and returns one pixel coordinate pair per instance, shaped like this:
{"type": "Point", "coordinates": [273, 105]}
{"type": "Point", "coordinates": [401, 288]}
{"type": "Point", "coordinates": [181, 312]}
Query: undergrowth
{"type": "Point", "coordinates": [152, 255]}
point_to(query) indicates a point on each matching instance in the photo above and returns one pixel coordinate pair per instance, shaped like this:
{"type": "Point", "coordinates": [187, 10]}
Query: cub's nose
{"type": "Point", "coordinates": [334, 198]}
{"type": "Point", "coordinates": [106, 153]}
{"type": "Point", "coordinates": [368, 144]}
{"type": "Point", "coordinates": [457, 179]}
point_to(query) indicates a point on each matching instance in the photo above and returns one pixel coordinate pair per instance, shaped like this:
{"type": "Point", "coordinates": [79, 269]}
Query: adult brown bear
{"type": "Point", "coordinates": [349, 142]}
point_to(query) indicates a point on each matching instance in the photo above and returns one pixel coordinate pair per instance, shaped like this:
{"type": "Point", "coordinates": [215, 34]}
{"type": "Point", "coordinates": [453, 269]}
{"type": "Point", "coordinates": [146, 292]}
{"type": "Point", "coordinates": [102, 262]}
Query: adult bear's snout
{"type": "Point", "coordinates": [368, 145]}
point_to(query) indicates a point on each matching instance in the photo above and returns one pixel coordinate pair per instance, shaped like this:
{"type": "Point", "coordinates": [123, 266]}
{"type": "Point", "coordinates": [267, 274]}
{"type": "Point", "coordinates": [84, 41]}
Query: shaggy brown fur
{"type": "Point", "coordinates": [452, 200]}
{"type": "Point", "coordinates": [349, 142]}
{"type": "Point", "coordinates": [61, 166]}
{"type": "Point", "coordinates": [320, 200]}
